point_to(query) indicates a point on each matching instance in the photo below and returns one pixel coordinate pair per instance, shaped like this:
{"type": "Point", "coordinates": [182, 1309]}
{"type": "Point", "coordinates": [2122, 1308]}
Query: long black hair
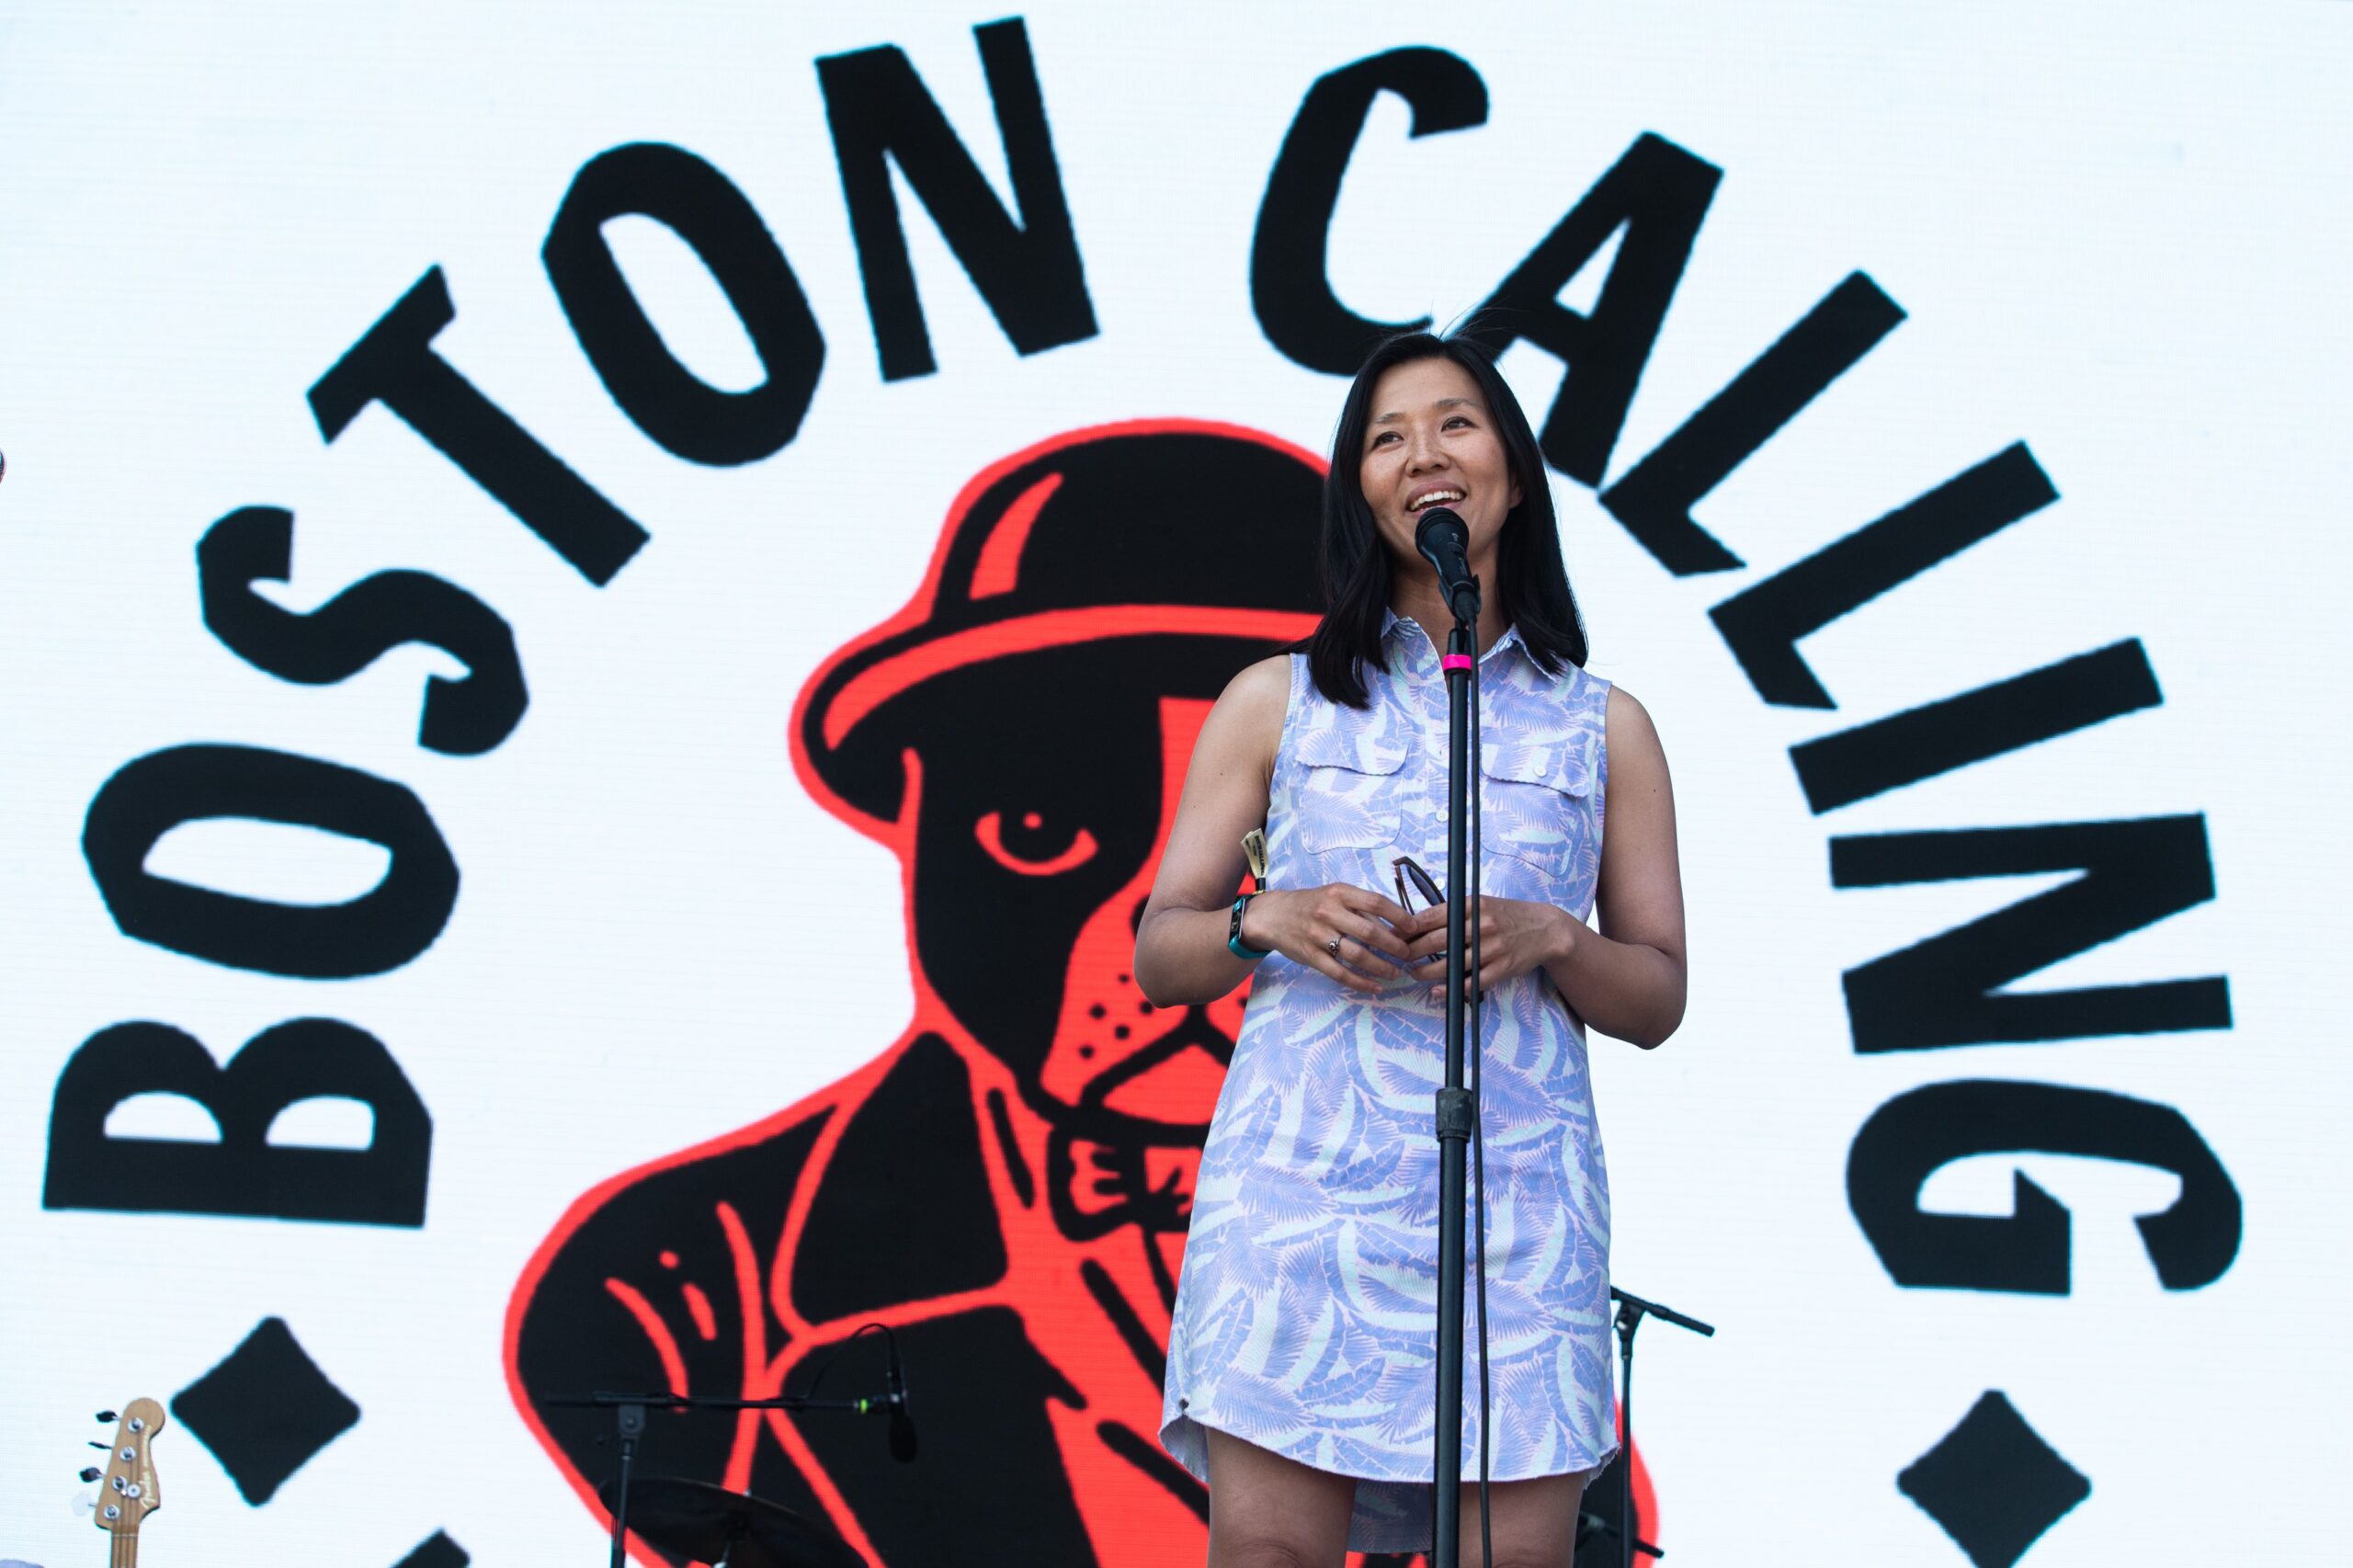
{"type": "Point", "coordinates": [1533, 593]}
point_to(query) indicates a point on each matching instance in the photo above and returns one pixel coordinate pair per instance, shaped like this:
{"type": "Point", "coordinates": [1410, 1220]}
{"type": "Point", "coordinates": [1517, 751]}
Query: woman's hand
{"type": "Point", "coordinates": [1345, 932]}
{"type": "Point", "coordinates": [1515, 937]}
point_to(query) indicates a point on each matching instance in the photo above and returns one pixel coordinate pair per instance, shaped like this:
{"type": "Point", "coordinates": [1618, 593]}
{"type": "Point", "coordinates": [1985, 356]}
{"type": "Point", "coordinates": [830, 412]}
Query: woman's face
{"type": "Point", "coordinates": [1432, 442]}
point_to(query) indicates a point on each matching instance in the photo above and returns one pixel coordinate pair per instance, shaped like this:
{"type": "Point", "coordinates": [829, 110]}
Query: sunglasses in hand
{"type": "Point", "coordinates": [1411, 879]}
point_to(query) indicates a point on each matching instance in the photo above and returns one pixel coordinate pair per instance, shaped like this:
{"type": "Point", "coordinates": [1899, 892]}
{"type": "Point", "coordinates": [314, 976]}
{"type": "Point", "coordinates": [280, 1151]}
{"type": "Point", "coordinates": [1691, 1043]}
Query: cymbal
{"type": "Point", "coordinates": [702, 1523]}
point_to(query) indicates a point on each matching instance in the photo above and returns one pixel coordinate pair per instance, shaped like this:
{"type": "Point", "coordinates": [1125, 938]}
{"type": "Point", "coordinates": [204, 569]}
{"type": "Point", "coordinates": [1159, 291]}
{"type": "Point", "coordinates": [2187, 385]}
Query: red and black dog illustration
{"type": "Point", "coordinates": [1006, 1185]}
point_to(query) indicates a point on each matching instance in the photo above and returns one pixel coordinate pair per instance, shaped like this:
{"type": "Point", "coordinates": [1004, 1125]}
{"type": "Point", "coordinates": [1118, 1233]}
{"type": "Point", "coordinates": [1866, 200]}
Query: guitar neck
{"type": "Point", "coordinates": [125, 1551]}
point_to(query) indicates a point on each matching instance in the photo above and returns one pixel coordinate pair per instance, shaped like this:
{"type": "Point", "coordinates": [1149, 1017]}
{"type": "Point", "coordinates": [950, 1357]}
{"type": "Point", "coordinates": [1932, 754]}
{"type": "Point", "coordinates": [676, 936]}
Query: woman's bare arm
{"type": "Point", "coordinates": [1628, 979]}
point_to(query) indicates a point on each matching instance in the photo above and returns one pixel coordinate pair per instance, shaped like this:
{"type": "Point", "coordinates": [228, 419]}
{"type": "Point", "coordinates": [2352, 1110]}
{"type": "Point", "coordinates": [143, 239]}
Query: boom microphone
{"type": "Point", "coordinates": [1444, 542]}
{"type": "Point", "coordinates": [902, 1425]}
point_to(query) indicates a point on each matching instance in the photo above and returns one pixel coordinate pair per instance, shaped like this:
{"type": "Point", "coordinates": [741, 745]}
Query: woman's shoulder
{"type": "Point", "coordinates": [1251, 710]}
{"type": "Point", "coordinates": [1623, 702]}
{"type": "Point", "coordinates": [1260, 691]}
{"type": "Point", "coordinates": [1628, 722]}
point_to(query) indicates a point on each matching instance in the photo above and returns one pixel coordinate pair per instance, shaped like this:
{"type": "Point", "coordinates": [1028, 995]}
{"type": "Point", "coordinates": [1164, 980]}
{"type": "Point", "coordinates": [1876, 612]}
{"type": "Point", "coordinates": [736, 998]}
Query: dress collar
{"type": "Point", "coordinates": [1395, 625]}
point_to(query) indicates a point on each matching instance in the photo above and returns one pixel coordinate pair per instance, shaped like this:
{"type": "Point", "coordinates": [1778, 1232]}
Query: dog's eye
{"type": "Point", "coordinates": [990, 831]}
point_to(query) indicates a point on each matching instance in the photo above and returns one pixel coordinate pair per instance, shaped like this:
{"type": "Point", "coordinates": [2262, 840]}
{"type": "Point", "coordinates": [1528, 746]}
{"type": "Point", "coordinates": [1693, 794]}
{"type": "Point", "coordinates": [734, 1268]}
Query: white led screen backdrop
{"type": "Point", "coordinates": [602, 606]}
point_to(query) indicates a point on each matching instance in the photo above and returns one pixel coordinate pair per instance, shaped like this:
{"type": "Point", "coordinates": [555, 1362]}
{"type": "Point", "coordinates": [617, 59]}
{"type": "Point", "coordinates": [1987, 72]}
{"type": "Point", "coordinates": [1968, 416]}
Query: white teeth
{"type": "Point", "coordinates": [1436, 498]}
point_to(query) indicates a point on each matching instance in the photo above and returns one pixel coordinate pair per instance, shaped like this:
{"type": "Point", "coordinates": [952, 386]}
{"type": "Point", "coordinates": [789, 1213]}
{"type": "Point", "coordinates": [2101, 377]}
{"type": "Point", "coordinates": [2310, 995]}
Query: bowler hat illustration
{"type": "Point", "coordinates": [1115, 536]}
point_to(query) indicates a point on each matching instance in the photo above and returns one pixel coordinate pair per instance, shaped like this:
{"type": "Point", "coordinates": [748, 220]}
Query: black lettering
{"type": "Point", "coordinates": [1290, 288]}
{"type": "Point", "coordinates": [1659, 194]}
{"type": "Point", "coordinates": [688, 417]}
{"type": "Point", "coordinates": [1655, 497]}
{"type": "Point", "coordinates": [244, 1173]}
{"type": "Point", "coordinates": [395, 364]}
{"type": "Point", "coordinates": [381, 930]}
{"type": "Point", "coordinates": [1763, 624]}
{"type": "Point", "coordinates": [464, 717]}
{"type": "Point", "coordinates": [2026, 1252]}
{"type": "Point", "coordinates": [1947, 990]}
{"type": "Point", "coordinates": [1029, 272]}
{"type": "Point", "coordinates": [1920, 743]}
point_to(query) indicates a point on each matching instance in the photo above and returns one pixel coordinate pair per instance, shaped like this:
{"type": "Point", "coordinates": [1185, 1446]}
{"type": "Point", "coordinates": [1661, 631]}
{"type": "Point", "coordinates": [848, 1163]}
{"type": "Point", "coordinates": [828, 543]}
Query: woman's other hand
{"type": "Point", "coordinates": [1515, 937]}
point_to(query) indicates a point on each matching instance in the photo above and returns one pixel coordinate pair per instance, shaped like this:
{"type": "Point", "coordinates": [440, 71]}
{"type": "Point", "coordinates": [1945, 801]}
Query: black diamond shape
{"type": "Point", "coordinates": [1994, 1483]}
{"type": "Point", "coordinates": [438, 1553]}
{"type": "Point", "coordinates": [266, 1411]}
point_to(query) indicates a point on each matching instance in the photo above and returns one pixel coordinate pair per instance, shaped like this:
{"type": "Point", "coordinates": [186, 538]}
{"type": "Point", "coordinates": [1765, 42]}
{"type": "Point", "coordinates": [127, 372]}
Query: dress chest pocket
{"type": "Point", "coordinates": [1345, 787]}
{"type": "Point", "coordinates": [1537, 804]}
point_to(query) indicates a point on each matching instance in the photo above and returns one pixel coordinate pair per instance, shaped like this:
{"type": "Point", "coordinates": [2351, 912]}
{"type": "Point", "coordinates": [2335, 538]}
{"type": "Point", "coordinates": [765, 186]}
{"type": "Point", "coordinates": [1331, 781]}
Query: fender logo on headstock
{"type": "Point", "coordinates": [128, 1492]}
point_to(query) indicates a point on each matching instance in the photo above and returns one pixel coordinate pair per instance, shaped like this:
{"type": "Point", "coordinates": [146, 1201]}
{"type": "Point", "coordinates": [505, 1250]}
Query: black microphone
{"type": "Point", "coordinates": [1444, 543]}
{"type": "Point", "coordinates": [902, 1425]}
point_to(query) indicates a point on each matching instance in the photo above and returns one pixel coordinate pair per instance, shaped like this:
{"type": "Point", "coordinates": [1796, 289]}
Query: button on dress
{"type": "Point", "coordinates": [1305, 1319]}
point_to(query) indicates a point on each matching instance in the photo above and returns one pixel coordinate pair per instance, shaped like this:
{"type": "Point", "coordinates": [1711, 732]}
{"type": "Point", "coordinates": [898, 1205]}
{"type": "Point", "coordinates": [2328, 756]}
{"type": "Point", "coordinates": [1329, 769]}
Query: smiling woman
{"type": "Point", "coordinates": [1300, 1377]}
{"type": "Point", "coordinates": [1369, 505]}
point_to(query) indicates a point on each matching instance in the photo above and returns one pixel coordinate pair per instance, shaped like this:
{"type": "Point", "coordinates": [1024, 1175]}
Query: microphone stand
{"type": "Point", "coordinates": [1631, 1310]}
{"type": "Point", "coordinates": [629, 1411]}
{"type": "Point", "coordinates": [1457, 1111]}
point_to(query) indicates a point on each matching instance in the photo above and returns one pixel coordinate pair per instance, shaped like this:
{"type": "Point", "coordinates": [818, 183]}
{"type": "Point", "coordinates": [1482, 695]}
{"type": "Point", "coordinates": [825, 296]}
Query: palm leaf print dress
{"type": "Point", "coordinates": [1305, 1319]}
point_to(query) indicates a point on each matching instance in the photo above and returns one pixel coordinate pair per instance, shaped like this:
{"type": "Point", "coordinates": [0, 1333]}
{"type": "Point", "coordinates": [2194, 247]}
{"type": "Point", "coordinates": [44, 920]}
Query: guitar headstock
{"type": "Point", "coordinates": [128, 1493]}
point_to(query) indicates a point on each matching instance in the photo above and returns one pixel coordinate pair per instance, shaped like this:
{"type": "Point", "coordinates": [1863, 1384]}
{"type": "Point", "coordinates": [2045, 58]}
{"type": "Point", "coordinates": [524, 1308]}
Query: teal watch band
{"type": "Point", "coordinates": [1233, 942]}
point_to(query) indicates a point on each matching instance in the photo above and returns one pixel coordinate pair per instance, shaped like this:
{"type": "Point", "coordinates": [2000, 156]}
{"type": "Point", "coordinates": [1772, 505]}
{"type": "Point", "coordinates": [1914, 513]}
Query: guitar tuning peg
{"type": "Point", "coordinates": [104, 1417]}
{"type": "Point", "coordinates": [91, 1472]}
{"type": "Point", "coordinates": [103, 1447]}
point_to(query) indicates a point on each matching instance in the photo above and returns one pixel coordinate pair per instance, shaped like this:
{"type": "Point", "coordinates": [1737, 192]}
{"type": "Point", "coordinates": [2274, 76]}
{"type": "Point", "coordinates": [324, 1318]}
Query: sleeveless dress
{"type": "Point", "coordinates": [1305, 1319]}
